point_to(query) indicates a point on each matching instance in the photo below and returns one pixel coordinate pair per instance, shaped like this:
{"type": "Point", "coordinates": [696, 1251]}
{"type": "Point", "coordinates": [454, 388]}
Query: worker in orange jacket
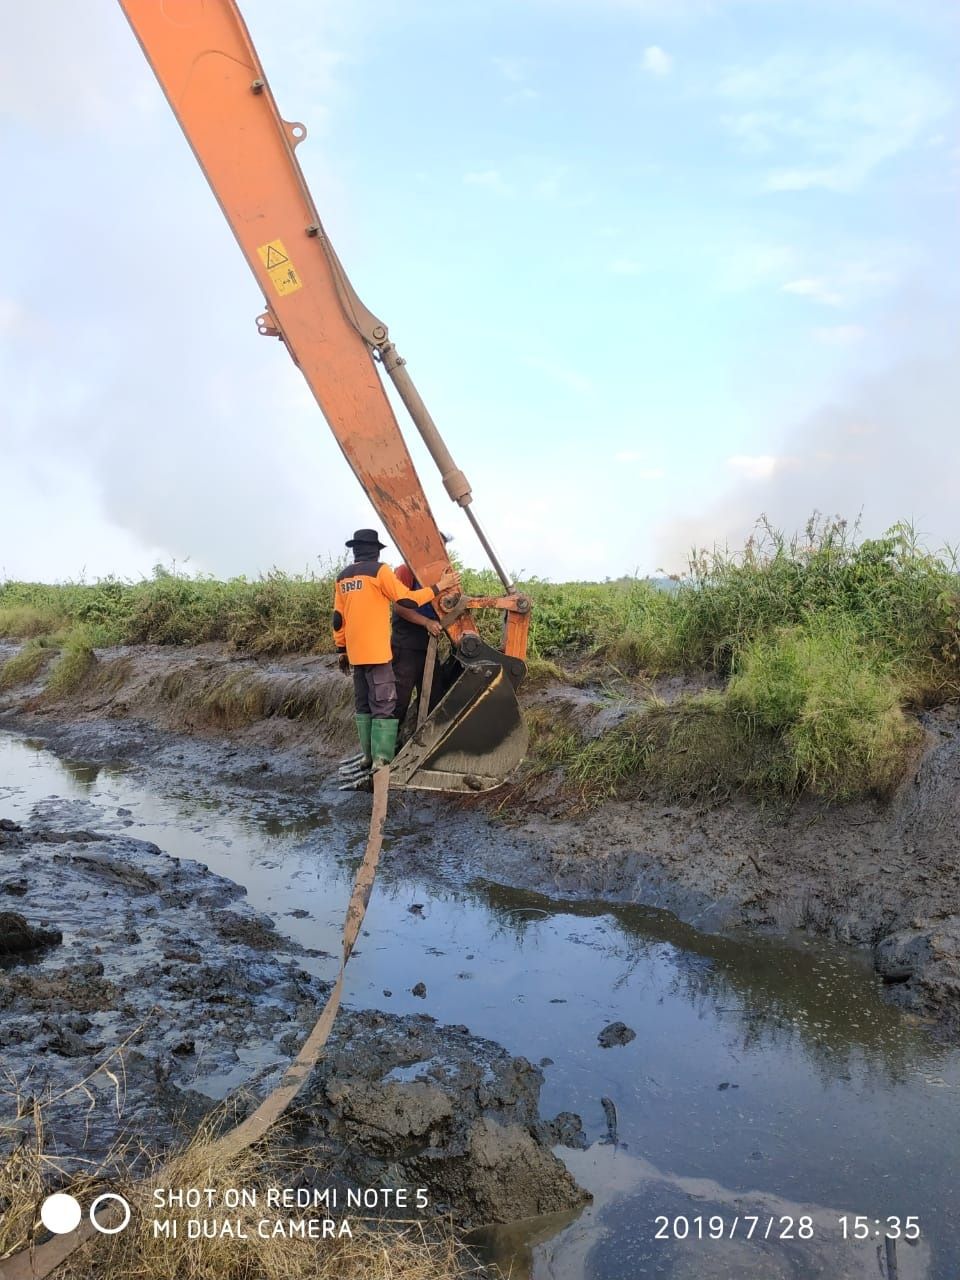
{"type": "Point", "coordinates": [363, 593]}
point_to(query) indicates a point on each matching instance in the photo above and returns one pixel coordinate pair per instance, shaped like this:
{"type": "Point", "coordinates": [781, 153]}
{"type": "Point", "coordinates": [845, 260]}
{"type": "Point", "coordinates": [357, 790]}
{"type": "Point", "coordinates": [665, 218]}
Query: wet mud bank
{"type": "Point", "coordinates": [685, 1062]}
{"type": "Point", "coordinates": [884, 876]}
{"type": "Point", "coordinates": [142, 990]}
{"type": "Point", "coordinates": [880, 875]}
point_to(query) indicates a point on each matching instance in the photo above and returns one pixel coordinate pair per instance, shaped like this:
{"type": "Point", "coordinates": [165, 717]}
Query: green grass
{"type": "Point", "coordinates": [693, 749]}
{"type": "Point", "coordinates": [838, 741]}
{"type": "Point", "coordinates": [245, 696]}
{"type": "Point", "coordinates": [826, 644]}
{"type": "Point", "coordinates": [24, 666]}
{"type": "Point", "coordinates": [823, 644]}
{"type": "Point", "coordinates": [836, 698]}
{"type": "Point", "coordinates": [28, 621]}
{"type": "Point", "coordinates": [275, 614]}
{"type": "Point", "coordinates": [76, 664]}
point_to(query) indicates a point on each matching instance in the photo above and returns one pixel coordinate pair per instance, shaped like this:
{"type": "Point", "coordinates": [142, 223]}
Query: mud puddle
{"type": "Point", "coordinates": [763, 1073]}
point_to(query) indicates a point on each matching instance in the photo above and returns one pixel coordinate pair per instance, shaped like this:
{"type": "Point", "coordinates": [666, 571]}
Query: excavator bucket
{"type": "Point", "coordinates": [475, 737]}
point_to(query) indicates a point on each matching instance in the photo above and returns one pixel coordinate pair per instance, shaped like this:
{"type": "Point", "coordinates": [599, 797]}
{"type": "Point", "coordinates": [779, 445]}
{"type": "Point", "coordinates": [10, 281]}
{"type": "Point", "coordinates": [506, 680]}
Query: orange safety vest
{"type": "Point", "coordinates": [361, 610]}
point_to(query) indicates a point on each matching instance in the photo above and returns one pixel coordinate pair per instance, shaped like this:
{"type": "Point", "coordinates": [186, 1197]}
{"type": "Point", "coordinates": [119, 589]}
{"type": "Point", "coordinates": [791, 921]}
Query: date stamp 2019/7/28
{"type": "Point", "coordinates": [782, 1227]}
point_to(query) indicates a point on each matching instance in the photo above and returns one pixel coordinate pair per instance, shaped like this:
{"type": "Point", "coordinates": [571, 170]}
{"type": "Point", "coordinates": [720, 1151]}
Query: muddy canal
{"type": "Point", "coordinates": [767, 1078]}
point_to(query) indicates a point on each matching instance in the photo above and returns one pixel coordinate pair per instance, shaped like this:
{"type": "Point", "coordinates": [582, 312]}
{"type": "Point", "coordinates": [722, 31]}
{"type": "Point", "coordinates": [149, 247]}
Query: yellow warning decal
{"type": "Point", "coordinates": [279, 267]}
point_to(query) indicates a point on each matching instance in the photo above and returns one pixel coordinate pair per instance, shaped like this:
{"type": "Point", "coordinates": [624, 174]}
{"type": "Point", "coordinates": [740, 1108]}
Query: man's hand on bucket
{"type": "Point", "coordinates": [449, 580]}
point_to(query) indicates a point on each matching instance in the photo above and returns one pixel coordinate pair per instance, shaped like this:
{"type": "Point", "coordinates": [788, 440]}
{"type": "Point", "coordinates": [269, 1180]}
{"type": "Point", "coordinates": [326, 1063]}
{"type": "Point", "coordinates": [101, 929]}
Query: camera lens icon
{"type": "Point", "coordinates": [101, 1200]}
{"type": "Point", "coordinates": [61, 1213]}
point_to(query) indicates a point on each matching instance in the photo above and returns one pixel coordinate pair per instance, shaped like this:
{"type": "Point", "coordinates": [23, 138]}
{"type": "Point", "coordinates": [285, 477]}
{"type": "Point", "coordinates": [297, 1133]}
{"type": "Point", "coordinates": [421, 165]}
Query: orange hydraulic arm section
{"type": "Point", "coordinates": [203, 57]}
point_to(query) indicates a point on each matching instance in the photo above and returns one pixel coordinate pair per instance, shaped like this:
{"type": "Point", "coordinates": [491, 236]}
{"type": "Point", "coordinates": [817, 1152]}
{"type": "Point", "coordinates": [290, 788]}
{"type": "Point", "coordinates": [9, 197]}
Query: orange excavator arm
{"type": "Point", "coordinates": [205, 61]}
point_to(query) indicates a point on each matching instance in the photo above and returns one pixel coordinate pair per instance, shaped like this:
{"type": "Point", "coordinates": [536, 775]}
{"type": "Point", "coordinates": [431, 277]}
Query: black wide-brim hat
{"type": "Point", "coordinates": [364, 537]}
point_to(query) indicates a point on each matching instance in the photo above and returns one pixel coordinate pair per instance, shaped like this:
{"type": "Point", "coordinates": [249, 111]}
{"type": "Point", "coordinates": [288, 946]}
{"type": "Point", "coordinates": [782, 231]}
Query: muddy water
{"type": "Point", "coordinates": [767, 1078]}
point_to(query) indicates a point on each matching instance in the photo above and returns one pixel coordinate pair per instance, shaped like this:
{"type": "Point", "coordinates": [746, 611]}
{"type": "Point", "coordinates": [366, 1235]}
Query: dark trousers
{"type": "Point", "coordinates": [408, 665]}
{"type": "Point", "coordinates": [375, 690]}
{"type": "Point", "coordinates": [408, 672]}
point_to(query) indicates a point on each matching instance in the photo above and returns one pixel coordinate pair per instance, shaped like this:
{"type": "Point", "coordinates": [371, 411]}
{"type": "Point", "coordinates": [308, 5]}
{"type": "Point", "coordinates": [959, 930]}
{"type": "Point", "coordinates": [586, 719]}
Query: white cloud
{"type": "Point", "coordinates": [814, 287]}
{"type": "Point", "coordinates": [12, 316]}
{"type": "Point", "coordinates": [679, 11]}
{"type": "Point", "coordinates": [835, 274]}
{"type": "Point", "coordinates": [748, 265]}
{"type": "Point", "coordinates": [888, 447]}
{"type": "Point", "coordinates": [525, 93]}
{"type": "Point", "coordinates": [840, 335]}
{"type": "Point", "coordinates": [754, 130]}
{"type": "Point", "coordinates": [759, 466]}
{"type": "Point", "coordinates": [847, 283]}
{"type": "Point", "coordinates": [832, 119]}
{"type": "Point", "coordinates": [550, 186]}
{"type": "Point", "coordinates": [632, 456]}
{"type": "Point", "coordinates": [45, 85]}
{"type": "Point", "coordinates": [657, 61]}
{"type": "Point", "coordinates": [512, 69]}
{"type": "Point", "coordinates": [516, 73]}
{"type": "Point", "coordinates": [492, 179]}
{"type": "Point", "coordinates": [806, 179]}
{"type": "Point", "coordinates": [626, 267]}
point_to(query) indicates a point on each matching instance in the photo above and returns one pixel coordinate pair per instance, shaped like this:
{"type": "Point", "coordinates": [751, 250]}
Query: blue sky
{"type": "Point", "coordinates": [657, 268]}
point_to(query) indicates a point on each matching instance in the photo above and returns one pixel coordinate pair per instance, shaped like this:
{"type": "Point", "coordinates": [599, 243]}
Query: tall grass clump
{"type": "Point", "coordinates": [176, 609]}
{"type": "Point", "coordinates": [811, 708]}
{"type": "Point", "coordinates": [76, 663]}
{"type": "Point", "coordinates": [29, 621]}
{"type": "Point", "coordinates": [25, 665]}
{"type": "Point", "coordinates": [900, 598]}
{"type": "Point", "coordinates": [696, 748]}
{"type": "Point", "coordinates": [701, 749]}
{"type": "Point", "coordinates": [603, 765]}
{"type": "Point", "coordinates": [835, 699]}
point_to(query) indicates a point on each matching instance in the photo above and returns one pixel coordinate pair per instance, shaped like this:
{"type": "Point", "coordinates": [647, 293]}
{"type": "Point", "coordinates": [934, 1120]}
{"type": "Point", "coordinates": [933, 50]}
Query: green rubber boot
{"type": "Point", "coordinates": [384, 741]}
{"type": "Point", "coordinates": [364, 726]}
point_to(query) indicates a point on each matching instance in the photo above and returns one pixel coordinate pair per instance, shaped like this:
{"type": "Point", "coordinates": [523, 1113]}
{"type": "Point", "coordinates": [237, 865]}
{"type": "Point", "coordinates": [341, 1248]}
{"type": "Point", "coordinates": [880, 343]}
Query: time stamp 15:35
{"type": "Point", "coordinates": [783, 1227]}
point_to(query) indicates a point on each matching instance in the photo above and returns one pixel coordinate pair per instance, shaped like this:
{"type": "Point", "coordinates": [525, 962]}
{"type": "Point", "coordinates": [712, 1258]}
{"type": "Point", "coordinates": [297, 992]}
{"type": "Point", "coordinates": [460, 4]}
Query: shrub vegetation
{"type": "Point", "coordinates": [821, 646]}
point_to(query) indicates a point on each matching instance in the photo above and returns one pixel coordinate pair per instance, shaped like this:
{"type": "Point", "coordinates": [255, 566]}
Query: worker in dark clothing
{"type": "Point", "coordinates": [363, 593]}
{"type": "Point", "coordinates": [412, 629]}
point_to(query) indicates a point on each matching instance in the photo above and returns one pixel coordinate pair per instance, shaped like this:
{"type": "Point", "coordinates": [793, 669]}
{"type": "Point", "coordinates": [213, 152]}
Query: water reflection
{"type": "Point", "coordinates": [511, 1246]}
{"type": "Point", "coordinates": [645, 1222]}
{"type": "Point", "coordinates": [783, 994]}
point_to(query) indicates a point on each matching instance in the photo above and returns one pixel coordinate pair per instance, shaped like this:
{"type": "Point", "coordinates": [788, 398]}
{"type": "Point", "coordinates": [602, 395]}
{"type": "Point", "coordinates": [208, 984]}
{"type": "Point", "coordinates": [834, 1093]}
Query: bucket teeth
{"type": "Point", "coordinates": [355, 771]}
{"type": "Point", "coordinates": [351, 761]}
{"type": "Point", "coordinates": [361, 767]}
{"type": "Point", "coordinates": [359, 782]}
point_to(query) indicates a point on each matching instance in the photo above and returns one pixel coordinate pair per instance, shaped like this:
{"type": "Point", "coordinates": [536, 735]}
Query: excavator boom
{"type": "Point", "coordinates": [205, 61]}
